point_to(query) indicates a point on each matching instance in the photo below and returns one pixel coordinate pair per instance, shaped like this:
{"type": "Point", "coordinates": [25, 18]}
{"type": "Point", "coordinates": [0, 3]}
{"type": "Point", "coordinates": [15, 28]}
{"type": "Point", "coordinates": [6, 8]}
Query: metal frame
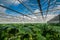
{"type": "Point", "coordinates": [39, 4]}
{"type": "Point", "coordinates": [27, 7]}
{"type": "Point", "coordinates": [47, 8]}
{"type": "Point", "coordinates": [40, 8]}
{"type": "Point", "coordinates": [14, 11]}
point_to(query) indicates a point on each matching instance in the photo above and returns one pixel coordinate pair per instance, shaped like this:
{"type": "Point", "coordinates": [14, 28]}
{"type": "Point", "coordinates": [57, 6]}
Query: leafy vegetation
{"type": "Point", "coordinates": [29, 31]}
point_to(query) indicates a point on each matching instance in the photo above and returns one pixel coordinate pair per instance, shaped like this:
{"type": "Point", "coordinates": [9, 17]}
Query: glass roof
{"type": "Point", "coordinates": [29, 7]}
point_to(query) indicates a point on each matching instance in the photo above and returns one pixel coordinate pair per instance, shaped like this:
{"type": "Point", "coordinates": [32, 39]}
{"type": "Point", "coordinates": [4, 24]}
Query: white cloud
{"type": "Point", "coordinates": [58, 7]}
{"type": "Point", "coordinates": [10, 1]}
{"type": "Point", "coordinates": [2, 9]}
{"type": "Point", "coordinates": [58, 11]}
{"type": "Point", "coordinates": [14, 1]}
{"type": "Point", "coordinates": [36, 11]}
{"type": "Point", "coordinates": [34, 17]}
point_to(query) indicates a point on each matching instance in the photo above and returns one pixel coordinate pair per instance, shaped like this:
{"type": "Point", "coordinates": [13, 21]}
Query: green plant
{"type": "Point", "coordinates": [29, 31]}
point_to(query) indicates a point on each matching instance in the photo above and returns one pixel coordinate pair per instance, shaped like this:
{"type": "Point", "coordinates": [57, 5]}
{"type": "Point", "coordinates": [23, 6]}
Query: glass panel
{"type": "Point", "coordinates": [28, 7]}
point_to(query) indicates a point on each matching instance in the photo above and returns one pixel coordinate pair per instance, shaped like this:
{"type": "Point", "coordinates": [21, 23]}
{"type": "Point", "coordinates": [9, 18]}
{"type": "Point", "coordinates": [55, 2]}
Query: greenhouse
{"type": "Point", "coordinates": [29, 19]}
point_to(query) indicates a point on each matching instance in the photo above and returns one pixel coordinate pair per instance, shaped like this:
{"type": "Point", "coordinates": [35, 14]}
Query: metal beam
{"type": "Point", "coordinates": [47, 8]}
{"type": "Point", "coordinates": [39, 4]}
{"type": "Point", "coordinates": [15, 11]}
{"type": "Point", "coordinates": [51, 10]}
{"type": "Point", "coordinates": [50, 4]}
{"type": "Point", "coordinates": [27, 7]}
{"type": "Point", "coordinates": [4, 14]}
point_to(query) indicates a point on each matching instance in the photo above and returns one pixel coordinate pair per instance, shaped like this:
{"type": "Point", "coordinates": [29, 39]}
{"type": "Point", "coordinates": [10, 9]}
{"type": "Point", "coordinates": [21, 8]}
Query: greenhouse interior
{"type": "Point", "coordinates": [29, 19]}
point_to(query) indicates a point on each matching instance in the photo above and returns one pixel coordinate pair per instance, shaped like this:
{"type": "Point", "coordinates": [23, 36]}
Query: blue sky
{"type": "Point", "coordinates": [14, 4]}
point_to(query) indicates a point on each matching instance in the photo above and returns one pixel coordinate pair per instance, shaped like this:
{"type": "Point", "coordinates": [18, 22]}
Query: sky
{"type": "Point", "coordinates": [32, 4]}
